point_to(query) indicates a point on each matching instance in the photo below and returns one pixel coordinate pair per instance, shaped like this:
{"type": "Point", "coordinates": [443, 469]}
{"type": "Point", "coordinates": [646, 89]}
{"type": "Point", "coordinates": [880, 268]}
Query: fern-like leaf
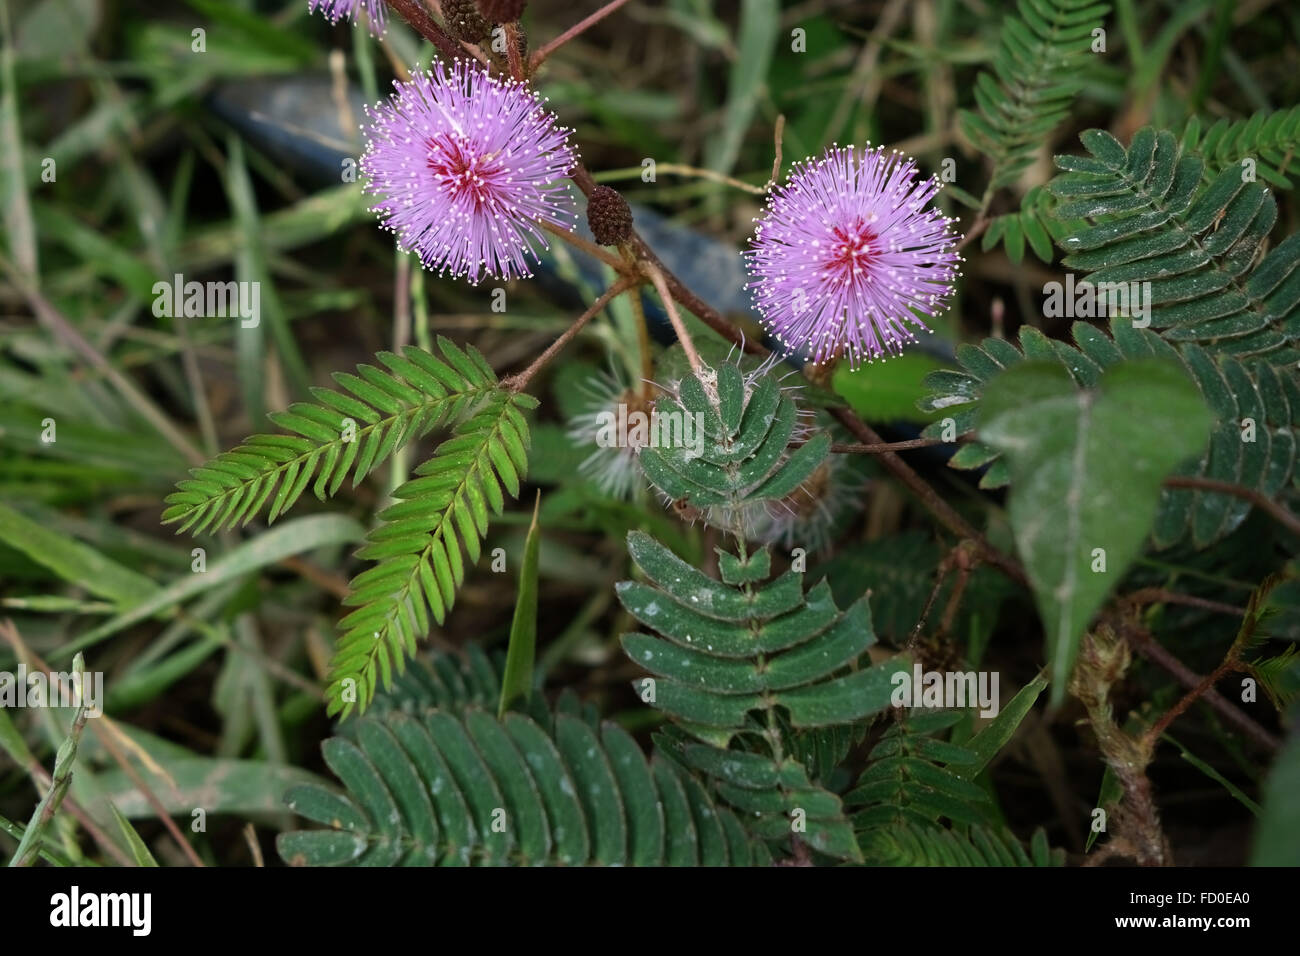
{"type": "Point", "coordinates": [914, 777]}
{"type": "Point", "coordinates": [443, 681]}
{"type": "Point", "coordinates": [447, 790]}
{"type": "Point", "coordinates": [343, 432]}
{"type": "Point", "coordinates": [1271, 139]}
{"type": "Point", "coordinates": [1039, 68]}
{"type": "Point", "coordinates": [925, 845]}
{"type": "Point", "coordinates": [748, 668]}
{"type": "Point", "coordinates": [421, 545]}
{"type": "Point", "coordinates": [731, 647]}
{"type": "Point", "coordinates": [744, 457]}
{"type": "Point", "coordinates": [1155, 221]}
{"type": "Point", "coordinates": [1280, 677]}
{"type": "Point", "coordinates": [775, 797]}
{"type": "Point", "coordinates": [1235, 391]}
{"type": "Point", "coordinates": [1032, 225]}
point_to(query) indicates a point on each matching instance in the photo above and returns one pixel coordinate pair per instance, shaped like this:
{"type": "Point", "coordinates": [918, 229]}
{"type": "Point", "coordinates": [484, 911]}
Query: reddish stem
{"type": "Point", "coordinates": [581, 26]}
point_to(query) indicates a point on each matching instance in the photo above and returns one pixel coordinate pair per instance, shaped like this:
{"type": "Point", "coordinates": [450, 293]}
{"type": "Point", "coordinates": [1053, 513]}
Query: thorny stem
{"type": "Point", "coordinates": [517, 383]}
{"type": "Point", "coordinates": [1246, 636]}
{"type": "Point", "coordinates": [578, 28]}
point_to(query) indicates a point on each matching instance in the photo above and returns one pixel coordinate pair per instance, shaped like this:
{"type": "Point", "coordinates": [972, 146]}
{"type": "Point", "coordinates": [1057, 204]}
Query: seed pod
{"type": "Point", "coordinates": [609, 216]}
{"type": "Point", "coordinates": [464, 22]}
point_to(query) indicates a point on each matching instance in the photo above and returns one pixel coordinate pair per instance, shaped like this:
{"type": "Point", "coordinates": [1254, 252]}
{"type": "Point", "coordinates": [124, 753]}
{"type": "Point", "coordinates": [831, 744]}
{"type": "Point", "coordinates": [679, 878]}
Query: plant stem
{"type": "Point", "coordinates": [1257, 498]}
{"type": "Point", "coordinates": [580, 27]}
{"type": "Point", "coordinates": [414, 13]}
{"type": "Point", "coordinates": [1147, 646]}
{"type": "Point", "coordinates": [30, 846]}
{"type": "Point", "coordinates": [518, 383]}
{"type": "Point", "coordinates": [513, 58]}
{"type": "Point", "coordinates": [590, 248]}
{"type": "Point", "coordinates": [908, 445]}
{"type": "Point", "coordinates": [657, 278]}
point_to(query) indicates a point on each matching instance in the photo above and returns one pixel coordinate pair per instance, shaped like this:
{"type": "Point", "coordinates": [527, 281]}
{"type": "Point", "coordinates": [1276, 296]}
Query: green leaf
{"type": "Point", "coordinates": [887, 391]}
{"type": "Point", "coordinates": [1087, 467]}
{"type": "Point", "coordinates": [294, 537]}
{"type": "Point", "coordinates": [421, 543]}
{"type": "Point", "coordinates": [474, 789]}
{"type": "Point", "coordinates": [1277, 838]}
{"type": "Point", "coordinates": [517, 682]}
{"type": "Point", "coordinates": [344, 432]}
{"type": "Point", "coordinates": [73, 561]}
{"type": "Point", "coordinates": [989, 742]}
{"type": "Point", "coordinates": [139, 850]}
{"type": "Point", "coordinates": [1258, 391]}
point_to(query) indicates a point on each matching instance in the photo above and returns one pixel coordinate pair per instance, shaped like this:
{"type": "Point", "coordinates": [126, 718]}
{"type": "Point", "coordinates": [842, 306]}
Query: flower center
{"type": "Point", "coordinates": [853, 249]}
{"type": "Point", "coordinates": [465, 173]}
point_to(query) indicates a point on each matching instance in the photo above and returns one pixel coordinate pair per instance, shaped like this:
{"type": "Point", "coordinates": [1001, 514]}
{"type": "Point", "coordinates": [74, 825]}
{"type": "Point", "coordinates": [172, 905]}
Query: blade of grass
{"type": "Point", "coordinates": [517, 681]}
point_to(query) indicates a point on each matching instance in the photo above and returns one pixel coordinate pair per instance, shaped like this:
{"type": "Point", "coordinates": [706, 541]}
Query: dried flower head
{"type": "Point", "coordinates": [336, 10]}
{"type": "Point", "coordinates": [847, 255]}
{"type": "Point", "coordinates": [615, 424]}
{"type": "Point", "coordinates": [467, 165]}
{"type": "Point", "coordinates": [810, 516]}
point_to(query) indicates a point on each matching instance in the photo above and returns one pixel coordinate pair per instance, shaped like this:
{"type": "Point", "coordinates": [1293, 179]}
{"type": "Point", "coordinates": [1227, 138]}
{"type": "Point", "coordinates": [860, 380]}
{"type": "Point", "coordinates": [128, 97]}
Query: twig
{"type": "Point", "coordinates": [590, 248]}
{"type": "Point", "coordinates": [684, 337]}
{"type": "Point", "coordinates": [1153, 733]}
{"type": "Point", "coordinates": [517, 383]}
{"type": "Point", "coordinates": [882, 447]}
{"type": "Point", "coordinates": [976, 230]}
{"type": "Point", "coordinates": [1163, 596]}
{"type": "Point", "coordinates": [778, 136]}
{"type": "Point", "coordinates": [943, 511]}
{"type": "Point", "coordinates": [581, 26]}
{"type": "Point", "coordinates": [106, 738]}
{"type": "Point", "coordinates": [254, 848]}
{"type": "Point", "coordinates": [681, 169]}
{"type": "Point", "coordinates": [1257, 498]}
{"type": "Point", "coordinates": [1146, 645]}
{"type": "Point", "coordinates": [150, 797]}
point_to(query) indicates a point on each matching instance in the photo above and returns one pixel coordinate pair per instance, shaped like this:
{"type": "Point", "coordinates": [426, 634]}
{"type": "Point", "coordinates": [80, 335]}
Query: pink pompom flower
{"type": "Point", "coordinates": [467, 166]}
{"type": "Point", "coordinates": [848, 255]}
{"type": "Point", "coordinates": [336, 10]}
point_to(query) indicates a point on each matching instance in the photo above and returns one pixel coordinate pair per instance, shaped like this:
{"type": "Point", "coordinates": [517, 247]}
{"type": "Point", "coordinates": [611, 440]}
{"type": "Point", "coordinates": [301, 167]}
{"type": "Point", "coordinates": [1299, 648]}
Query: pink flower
{"type": "Point", "coordinates": [336, 10]}
{"type": "Point", "coordinates": [467, 166]}
{"type": "Point", "coordinates": [847, 256]}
